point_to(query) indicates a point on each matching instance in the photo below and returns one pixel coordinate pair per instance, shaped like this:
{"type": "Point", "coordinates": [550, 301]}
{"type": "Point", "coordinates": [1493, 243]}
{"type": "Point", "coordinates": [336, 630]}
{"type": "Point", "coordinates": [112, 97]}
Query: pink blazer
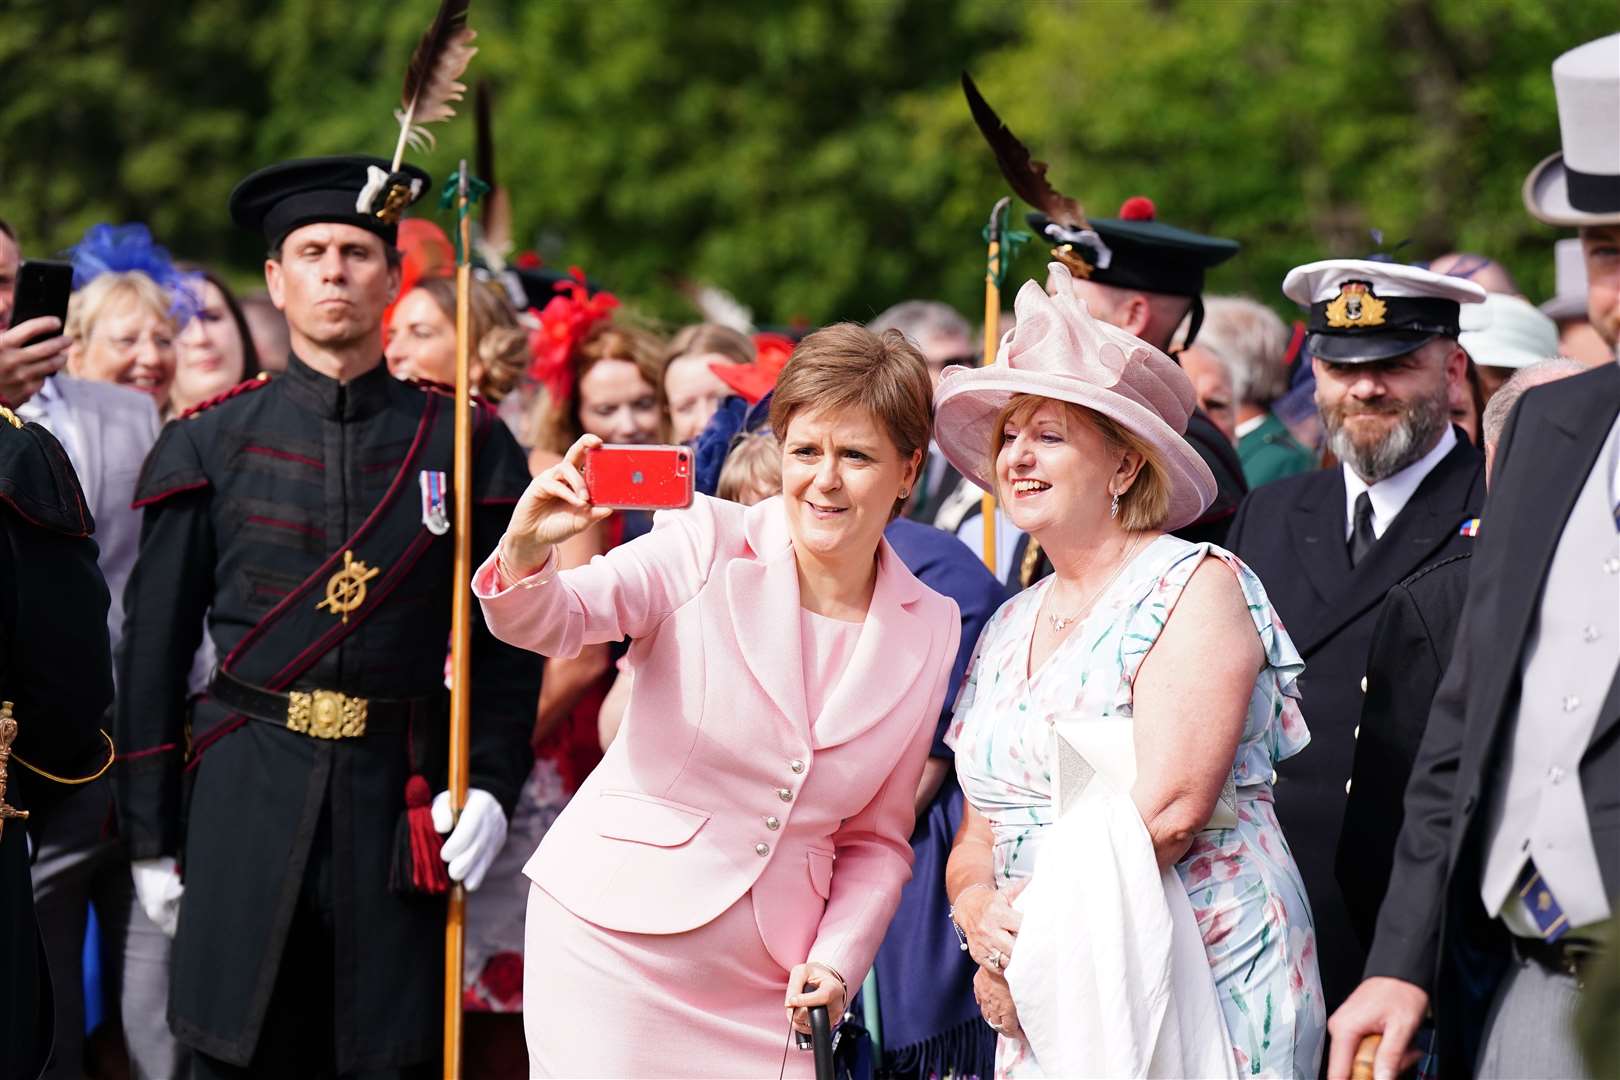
{"type": "Point", "coordinates": [716, 783]}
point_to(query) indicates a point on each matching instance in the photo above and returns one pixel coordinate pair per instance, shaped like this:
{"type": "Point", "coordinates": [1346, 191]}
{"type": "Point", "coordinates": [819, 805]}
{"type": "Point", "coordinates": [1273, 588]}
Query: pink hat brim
{"type": "Point", "coordinates": [969, 400]}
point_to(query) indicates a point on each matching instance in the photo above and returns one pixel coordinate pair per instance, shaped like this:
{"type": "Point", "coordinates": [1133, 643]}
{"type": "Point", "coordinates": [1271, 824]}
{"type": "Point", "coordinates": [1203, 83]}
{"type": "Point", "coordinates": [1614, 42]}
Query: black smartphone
{"type": "Point", "coordinates": [43, 288]}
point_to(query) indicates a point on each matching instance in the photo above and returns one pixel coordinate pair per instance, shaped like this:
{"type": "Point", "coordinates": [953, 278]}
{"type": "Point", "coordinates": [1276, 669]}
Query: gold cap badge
{"type": "Point", "coordinates": [1356, 307]}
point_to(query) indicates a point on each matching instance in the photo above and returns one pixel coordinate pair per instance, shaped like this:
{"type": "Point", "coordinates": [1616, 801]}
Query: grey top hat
{"type": "Point", "coordinates": [1580, 185]}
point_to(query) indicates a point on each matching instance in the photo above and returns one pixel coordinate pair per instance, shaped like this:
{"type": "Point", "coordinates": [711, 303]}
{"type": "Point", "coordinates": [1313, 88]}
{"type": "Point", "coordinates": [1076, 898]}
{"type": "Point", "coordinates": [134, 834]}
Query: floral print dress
{"type": "Point", "coordinates": [1244, 887]}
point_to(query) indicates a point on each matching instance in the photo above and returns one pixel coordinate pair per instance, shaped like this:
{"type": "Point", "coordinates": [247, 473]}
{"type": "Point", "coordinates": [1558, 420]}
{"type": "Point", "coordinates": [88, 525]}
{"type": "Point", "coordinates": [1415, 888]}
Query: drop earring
{"type": "Point", "coordinates": [1113, 507]}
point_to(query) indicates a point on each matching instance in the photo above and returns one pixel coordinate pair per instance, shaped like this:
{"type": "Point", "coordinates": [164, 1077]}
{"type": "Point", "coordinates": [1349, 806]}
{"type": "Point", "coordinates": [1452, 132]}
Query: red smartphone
{"type": "Point", "coordinates": [639, 477]}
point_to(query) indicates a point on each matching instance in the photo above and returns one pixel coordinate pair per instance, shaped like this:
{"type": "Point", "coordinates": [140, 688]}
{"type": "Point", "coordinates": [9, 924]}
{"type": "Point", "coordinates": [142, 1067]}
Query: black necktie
{"type": "Point", "coordinates": [1361, 537]}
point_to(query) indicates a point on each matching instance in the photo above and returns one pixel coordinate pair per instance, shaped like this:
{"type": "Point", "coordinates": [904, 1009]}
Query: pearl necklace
{"type": "Point", "coordinates": [1061, 623]}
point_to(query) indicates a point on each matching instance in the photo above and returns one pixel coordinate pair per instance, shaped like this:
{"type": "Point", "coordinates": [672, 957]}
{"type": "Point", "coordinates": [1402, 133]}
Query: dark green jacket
{"type": "Point", "coordinates": [1270, 453]}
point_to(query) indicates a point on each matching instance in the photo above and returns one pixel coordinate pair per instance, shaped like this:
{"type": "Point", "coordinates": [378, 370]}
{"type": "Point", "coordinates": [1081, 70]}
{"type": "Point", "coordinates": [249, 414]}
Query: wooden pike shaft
{"type": "Point", "coordinates": [460, 635]}
{"type": "Point", "coordinates": [992, 338]}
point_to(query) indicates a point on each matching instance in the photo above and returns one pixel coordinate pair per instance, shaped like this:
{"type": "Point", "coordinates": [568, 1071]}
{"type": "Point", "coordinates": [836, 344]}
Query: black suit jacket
{"type": "Point", "coordinates": [1549, 447]}
{"type": "Point", "coordinates": [1410, 649]}
{"type": "Point", "coordinates": [1292, 534]}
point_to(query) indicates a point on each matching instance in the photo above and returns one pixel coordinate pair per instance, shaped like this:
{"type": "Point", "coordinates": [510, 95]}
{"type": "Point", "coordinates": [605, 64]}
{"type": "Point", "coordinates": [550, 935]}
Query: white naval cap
{"type": "Point", "coordinates": [1365, 309]}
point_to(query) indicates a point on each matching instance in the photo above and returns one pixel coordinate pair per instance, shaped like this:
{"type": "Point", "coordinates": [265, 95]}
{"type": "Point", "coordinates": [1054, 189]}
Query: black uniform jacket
{"type": "Point", "coordinates": [1552, 439]}
{"type": "Point", "coordinates": [56, 669]}
{"type": "Point", "coordinates": [1292, 534]}
{"type": "Point", "coordinates": [250, 508]}
{"type": "Point", "coordinates": [1411, 646]}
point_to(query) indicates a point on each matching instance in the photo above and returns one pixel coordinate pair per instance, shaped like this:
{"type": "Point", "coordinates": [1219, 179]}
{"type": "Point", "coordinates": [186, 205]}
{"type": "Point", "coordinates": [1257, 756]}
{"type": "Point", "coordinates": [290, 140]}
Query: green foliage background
{"type": "Point", "coordinates": [814, 157]}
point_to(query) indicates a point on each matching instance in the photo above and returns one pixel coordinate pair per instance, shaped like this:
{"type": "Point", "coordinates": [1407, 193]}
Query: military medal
{"type": "Point", "coordinates": [435, 518]}
{"type": "Point", "coordinates": [8, 734]}
{"type": "Point", "coordinates": [346, 589]}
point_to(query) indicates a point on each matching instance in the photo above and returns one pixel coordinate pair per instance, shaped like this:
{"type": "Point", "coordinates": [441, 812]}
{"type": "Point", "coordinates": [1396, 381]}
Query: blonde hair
{"type": "Point", "coordinates": [556, 425]}
{"type": "Point", "coordinates": [754, 464]}
{"type": "Point", "coordinates": [86, 305]}
{"type": "Point", "coordinates": [700, 338]}
{"type": "Point", "coordinates": [1143, 505]}
{"type": "Point", "coordinates": [499, 343]}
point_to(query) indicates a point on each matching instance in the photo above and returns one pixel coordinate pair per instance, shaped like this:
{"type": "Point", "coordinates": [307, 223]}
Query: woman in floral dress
{"type": "Point", "coordinates": [1078, 425]}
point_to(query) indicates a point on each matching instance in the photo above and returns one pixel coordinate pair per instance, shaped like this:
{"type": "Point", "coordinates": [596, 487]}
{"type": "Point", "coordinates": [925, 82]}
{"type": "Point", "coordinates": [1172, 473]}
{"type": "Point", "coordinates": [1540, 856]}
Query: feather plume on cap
{"type": "Point", "coordinates": [1026, 176]}
{"type": "Point", "coordinates": [1077, 244]}
{"type": "Point", "coordinates": [431, 81]}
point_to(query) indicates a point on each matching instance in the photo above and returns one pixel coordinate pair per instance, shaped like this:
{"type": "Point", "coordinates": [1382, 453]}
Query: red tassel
{"type": "Point", "coordinates": [417, 865]}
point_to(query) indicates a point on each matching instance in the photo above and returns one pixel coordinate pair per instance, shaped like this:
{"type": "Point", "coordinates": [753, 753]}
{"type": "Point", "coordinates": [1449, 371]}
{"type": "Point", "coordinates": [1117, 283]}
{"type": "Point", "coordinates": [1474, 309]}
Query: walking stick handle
{"type": "Point", "coordinates": [1361, 1067]}
{"type": "Point", "coordinates": [821, 1040]}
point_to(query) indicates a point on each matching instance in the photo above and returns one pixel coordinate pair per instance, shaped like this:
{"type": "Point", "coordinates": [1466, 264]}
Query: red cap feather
{"type": "Point", "coordinates": [1137, 208]}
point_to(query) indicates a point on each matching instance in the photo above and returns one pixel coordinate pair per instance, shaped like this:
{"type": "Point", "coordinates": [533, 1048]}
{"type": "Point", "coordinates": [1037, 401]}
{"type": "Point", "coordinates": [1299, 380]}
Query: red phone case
{"type": "Point", "coordinates": [639, 477]}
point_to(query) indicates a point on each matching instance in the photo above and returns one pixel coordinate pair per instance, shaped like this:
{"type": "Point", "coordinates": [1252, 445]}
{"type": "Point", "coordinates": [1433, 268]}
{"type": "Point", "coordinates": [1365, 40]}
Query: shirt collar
{"type": "Point", "coordinates": [1390, 495]}
{"type": "Point", "coordinates": [360, 397]}
{"type": "Point", "coordinates": [1251, 424]}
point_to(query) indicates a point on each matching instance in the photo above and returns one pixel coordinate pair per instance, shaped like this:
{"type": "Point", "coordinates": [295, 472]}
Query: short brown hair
{"type": "Point", "coordinates": [1143, 505]}
{"type": "Point", "coordinates": [700, 338]}
{"type": "Point", "coordinates": [846, 366]}
{"type": "Point", "coordinates": [556, 426]}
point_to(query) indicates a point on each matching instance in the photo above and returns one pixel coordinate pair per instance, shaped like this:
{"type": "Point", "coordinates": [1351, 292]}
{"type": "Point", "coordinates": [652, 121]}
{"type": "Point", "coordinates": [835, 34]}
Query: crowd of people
{"type": "Point", "coordinates": [1283, 715]}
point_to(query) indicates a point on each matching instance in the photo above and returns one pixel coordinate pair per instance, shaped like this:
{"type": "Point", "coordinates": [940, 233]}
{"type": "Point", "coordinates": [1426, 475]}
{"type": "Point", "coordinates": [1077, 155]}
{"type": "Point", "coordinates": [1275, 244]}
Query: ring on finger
{"type": "Point", "coordinates": [994, 960]}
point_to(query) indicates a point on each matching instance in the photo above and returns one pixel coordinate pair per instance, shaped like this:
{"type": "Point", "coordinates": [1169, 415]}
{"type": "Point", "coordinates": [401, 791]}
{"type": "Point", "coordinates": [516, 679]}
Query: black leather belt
{"type": "Point", "coordinates": [320, 714]}
{"type": "Point", "coordinates": [1562, 957]}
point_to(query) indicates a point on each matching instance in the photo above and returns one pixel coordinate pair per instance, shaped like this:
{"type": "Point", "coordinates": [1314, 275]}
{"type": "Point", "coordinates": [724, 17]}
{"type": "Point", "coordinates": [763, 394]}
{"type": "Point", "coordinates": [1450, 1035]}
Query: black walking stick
{"type": "Point", "coordinates": [821, 1042]}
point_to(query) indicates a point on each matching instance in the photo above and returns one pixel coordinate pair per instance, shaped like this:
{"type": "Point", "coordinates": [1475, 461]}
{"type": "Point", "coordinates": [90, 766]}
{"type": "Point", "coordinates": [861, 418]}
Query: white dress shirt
{"type": "Point", "coordinates": [1390, 495]}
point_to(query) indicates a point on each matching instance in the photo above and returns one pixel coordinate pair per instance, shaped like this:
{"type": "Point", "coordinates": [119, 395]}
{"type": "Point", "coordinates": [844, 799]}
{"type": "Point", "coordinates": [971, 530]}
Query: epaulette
{"type": "Point", "coordinates": [38, 482]}
{"type": "Point", "coordinates": [260, 380]}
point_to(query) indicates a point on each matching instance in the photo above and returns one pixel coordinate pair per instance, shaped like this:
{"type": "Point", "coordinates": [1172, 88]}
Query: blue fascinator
{"type": "Point", "coordinates": [125, 248]}
{"type": "Point", "coordinates": [735, 419]}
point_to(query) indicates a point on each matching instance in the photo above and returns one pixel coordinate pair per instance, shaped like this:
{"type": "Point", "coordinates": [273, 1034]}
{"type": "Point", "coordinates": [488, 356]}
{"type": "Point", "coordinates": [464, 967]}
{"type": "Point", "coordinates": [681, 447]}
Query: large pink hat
{"type": "Point", "coordinates": [1057, 350]}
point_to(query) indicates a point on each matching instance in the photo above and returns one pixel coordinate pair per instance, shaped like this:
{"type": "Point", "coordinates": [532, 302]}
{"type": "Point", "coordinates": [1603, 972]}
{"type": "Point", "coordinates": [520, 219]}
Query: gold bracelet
{"type": "Point", "coordinates": [97, 775]}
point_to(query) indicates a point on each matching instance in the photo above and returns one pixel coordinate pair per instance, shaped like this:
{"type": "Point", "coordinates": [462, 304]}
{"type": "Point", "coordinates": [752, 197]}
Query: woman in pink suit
{"type": "Point", "coordinates": [741, 848]}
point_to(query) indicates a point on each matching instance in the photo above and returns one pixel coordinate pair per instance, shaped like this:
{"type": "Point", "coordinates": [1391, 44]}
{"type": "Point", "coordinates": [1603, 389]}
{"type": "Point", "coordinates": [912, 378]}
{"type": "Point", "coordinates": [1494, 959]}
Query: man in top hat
{"type": "Point", "coordinates": [1145, 277]}
{"type": "Point", "coordinates": [307, 518]}
{"type": "Point", "coordinates": [1329, 544]}
{"type": "Point", "coordinates": [1508, 860]}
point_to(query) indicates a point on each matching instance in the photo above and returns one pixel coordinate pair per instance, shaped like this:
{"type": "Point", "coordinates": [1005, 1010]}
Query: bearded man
{"type": "Point", "coordinates": [1330, 544]}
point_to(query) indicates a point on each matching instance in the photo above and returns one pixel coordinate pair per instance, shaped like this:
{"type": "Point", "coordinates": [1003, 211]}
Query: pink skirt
{"type": "Point", "coordinates": [706, 1003]}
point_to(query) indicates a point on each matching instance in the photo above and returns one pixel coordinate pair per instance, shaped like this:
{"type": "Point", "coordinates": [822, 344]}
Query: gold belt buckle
{"type": "Point", "coordinates": [326, 714]}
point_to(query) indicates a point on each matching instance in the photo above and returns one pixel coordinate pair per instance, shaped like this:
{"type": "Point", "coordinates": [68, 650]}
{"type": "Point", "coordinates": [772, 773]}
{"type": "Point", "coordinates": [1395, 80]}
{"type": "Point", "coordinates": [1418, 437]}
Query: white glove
{"type": "Point", "coordinates": [479, 836]}
{"type": "Point", "coordinates": [158, 889]}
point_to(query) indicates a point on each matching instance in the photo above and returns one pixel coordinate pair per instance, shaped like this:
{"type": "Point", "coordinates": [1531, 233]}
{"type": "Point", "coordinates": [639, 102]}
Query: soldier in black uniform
{"type": "Point", "coordinates": [307, 518]}
{"type": "Point", "coordinates": [55, 687]}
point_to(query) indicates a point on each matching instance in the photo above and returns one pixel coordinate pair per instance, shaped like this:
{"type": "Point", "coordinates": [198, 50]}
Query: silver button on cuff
{"type": "Point", "coordinates": [784, 794]}
{"type": "Point", "coordinates": [762, 850]}
{"type": "Point", "coordinates": [796, 765]}
{"type": "Point", "coordinates": [773, 823]}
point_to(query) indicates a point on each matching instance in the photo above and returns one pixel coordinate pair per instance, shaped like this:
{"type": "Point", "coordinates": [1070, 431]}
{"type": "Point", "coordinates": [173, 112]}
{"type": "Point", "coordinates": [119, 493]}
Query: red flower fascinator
{"type": "Point", "coordinates": [564, 322]}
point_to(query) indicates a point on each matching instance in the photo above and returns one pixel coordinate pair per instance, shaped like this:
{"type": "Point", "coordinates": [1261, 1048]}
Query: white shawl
{"type": "Point", "coordinates": [1109, 976]}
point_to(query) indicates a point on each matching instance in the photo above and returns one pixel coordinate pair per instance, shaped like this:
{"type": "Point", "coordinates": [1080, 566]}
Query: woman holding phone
{"type": "Point", "coordinates": [788, 673]}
